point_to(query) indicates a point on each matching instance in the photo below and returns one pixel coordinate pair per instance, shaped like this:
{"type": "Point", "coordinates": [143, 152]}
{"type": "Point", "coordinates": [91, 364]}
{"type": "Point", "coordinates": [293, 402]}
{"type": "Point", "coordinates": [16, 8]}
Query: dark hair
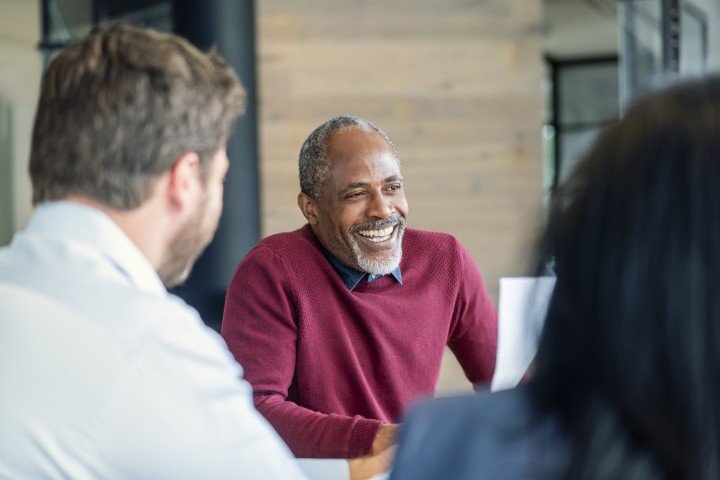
{"type": "Point", "coordinates": [314, 164]}
{"type": "Point", "coordinates": [630, 354]}
{"type": "Point", "coordinates": [118, 107]}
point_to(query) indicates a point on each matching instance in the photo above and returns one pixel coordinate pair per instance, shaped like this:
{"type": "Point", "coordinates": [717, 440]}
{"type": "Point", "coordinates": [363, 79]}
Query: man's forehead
{"type": "Point", "coordinates": [352, 139]}
{"type": "Point", "coordinates": [348, 147]}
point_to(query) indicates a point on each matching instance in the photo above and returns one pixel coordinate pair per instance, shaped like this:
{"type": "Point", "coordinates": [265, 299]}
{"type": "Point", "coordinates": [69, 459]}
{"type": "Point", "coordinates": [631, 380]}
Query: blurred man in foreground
{"type": "Point", "coordinates": [104, 373]}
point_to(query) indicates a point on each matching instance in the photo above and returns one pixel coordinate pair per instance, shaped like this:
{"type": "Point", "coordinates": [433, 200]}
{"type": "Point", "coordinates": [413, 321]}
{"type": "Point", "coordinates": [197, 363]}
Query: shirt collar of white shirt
{"type": "Point", "coordinates": [68, 221]}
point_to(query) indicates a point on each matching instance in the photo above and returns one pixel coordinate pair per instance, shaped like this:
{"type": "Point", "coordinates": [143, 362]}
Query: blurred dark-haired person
{"type": "Point", "coordinates": [346, 319]}
{"type": "Point", "coordinates": [103, 373]}
{"type": "Point", "coordinates": [626, 380]}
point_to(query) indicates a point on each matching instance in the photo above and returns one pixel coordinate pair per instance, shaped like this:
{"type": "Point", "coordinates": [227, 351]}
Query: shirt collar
{"type": "Point", "coordinates": [93, 230]}
{"type": "Point", "coordinates": [350, 276]}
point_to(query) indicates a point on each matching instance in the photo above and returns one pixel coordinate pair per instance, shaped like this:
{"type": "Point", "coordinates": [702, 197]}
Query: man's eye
{"type": "Point", "coordinates": [354, 194]}
{"type": "Point", "coordinates": [395, 187]}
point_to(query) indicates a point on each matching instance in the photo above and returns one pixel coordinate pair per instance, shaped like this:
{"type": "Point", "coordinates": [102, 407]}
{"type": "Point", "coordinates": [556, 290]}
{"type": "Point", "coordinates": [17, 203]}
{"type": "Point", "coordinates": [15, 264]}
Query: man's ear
{"type": "Point", "coordinates": [308, 207]}
{"type": "Point", "coordinates": [184, 179]}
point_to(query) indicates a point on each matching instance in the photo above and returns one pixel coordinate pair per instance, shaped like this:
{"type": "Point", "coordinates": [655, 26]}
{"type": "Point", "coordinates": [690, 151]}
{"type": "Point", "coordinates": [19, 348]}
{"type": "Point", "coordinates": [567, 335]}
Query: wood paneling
{"type": "Point", "coordinates": [455, 83]}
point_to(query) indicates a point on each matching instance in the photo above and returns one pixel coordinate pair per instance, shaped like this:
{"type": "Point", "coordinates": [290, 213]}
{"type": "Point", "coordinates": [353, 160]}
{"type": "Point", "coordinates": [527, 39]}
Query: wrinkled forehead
{"type": "Point", "coordinates": [359, 157]}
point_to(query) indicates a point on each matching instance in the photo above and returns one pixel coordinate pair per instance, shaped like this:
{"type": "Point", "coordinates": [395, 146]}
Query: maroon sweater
{"type": "Point", "coordinates": [329, 365]}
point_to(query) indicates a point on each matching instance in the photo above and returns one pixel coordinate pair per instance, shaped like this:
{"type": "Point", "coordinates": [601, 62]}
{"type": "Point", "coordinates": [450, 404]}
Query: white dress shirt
{"type": "Point", "coordinates": [104, 374]}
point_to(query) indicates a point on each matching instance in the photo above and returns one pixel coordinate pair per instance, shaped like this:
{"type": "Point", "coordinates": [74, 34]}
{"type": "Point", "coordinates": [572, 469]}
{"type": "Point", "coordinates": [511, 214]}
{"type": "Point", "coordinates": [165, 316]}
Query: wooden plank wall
{"type": "Point", "coordinates": [455, 83]}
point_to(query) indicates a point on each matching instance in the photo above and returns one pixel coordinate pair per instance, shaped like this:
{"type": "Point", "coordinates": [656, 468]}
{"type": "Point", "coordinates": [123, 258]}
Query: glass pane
{"type": "Point", "coordinates": [641, 56]}
{"type": "Point", "coordinates": [588, 93]}
{"type": "Point", "coordinates": [573, 146]}
{"type": "Point", "coordinates": [68, 19]}
{"type": "Point", "coordinates": [693, 41]}
{"type": "Point", "coordinates": [151, 14]}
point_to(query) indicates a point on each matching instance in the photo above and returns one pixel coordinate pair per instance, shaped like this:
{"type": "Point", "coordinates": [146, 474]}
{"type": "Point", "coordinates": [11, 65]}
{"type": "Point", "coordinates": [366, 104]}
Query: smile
{"type": "Point", "coordinates": [377, 236]}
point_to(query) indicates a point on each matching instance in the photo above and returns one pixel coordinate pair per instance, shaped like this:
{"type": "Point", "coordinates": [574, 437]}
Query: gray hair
{"type": "Point", "coordinates": [314, 161]}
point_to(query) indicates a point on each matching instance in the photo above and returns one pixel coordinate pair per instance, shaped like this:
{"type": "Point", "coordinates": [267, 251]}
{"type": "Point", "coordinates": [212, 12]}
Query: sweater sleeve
{"type": "Point", "coordinates": [260, 328]}
{"type": "Point", "coordinates": [473, 335]}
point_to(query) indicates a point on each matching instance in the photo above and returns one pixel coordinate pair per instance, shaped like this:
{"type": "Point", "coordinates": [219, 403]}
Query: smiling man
{"type": "Point", "coordinates": [341, 324]}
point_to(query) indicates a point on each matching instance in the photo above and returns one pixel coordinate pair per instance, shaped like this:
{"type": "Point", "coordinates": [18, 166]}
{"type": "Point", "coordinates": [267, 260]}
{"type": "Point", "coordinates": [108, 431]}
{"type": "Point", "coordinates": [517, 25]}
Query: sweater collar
{"type": "Point", "coordinates": [350, 276]}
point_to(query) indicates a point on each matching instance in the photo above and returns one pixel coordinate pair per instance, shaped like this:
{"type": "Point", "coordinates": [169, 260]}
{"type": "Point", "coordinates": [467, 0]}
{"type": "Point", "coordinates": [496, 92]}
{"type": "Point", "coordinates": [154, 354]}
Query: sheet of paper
{"type": "Point", "coordinates": [521, 313]}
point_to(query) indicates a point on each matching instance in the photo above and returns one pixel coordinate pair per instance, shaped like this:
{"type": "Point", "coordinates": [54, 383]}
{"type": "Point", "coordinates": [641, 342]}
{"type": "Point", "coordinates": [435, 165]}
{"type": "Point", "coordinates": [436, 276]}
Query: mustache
{"type": "Point", "coordinates": [378, 224]}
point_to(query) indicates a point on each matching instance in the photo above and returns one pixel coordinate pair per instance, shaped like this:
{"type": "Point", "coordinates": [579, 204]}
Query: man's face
{"type": "Point", "coordinates": [362, 207]}
{"type": "Point", "coordinates": [200, 227]}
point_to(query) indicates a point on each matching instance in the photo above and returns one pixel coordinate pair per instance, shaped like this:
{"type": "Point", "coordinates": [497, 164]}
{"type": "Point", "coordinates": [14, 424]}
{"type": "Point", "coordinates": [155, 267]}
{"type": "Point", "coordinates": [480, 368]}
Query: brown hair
{"type": "Point", "coordinates": [118, 107]}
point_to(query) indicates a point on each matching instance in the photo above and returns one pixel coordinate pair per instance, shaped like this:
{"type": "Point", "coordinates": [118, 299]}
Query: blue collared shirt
{"type": "Point", "coordinates": [351, 277]}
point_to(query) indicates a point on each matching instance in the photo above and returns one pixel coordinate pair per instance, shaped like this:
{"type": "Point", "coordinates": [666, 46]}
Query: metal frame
{"type": "Point", "coordinates": [100, 11]}
{"type": "Point", "coordinates": [46, 46]}
{"type": "Point", "coordinates": [556, 65]}
{"type": "Point", "coordinates": [670, 25]}
{"type": "Point", "coordinates": [702, 18]}
{"type": "Point", "coordinates": [671, 13]}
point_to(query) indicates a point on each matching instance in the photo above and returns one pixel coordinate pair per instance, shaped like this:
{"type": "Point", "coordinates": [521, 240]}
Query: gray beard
{"type": "Point", "coordinates": [379, 267]}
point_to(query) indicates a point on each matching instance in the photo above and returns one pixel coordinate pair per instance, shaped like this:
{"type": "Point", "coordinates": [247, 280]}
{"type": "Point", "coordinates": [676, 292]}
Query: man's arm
{"type": "Point", "coordinates": [259, 326]}
{"type": "Point", "coordinates": [473, 335]}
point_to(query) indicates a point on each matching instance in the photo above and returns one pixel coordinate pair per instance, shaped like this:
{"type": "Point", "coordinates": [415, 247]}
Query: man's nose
{"type": "Point", "coordinates": [380, 206]}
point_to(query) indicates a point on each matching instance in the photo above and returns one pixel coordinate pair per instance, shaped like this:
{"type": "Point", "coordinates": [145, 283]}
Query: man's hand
{"type": "Point", "coordinates": [384, 438]}
{"type": "Point", "coordinates": [364, 468]}
{"type": "Point", "coordinates": [380, 458]}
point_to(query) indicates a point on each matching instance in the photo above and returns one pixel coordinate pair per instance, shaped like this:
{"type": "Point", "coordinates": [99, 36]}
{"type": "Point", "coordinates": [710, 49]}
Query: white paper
{"type": "Point", "coordinates": [521, 313]}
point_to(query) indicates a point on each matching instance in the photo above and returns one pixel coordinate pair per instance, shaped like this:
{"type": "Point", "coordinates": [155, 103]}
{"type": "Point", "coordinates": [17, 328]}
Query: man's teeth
{"type": "Point", "coordinates": [377, 235]}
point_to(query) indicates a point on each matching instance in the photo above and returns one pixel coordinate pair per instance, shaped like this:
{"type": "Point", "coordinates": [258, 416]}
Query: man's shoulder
{"type": "Point", "coordinates": [181, 337]}
{"type": "Point", "coordinates": [430, 238]}
{"type": "Point", "coordinates": [298, 249]}
{"type": "Point", "coordinates": [97, 291]}
{"type": "Point", "coordinates": [114, 319]}
{"type": "Point", "coordinates": [280, 242]}
{"type": "Point", "coordinates": [143, 361]}
{"type": "Point", "coordinates": [143, 328]}
{"type": "Point", "coordinates": [423, 242]}
{"type": "Point", "coordinates": [148, 322]}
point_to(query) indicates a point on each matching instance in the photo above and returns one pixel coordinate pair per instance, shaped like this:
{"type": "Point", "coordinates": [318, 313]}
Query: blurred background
{"type": "Point", "coordinates": [490, 102]}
